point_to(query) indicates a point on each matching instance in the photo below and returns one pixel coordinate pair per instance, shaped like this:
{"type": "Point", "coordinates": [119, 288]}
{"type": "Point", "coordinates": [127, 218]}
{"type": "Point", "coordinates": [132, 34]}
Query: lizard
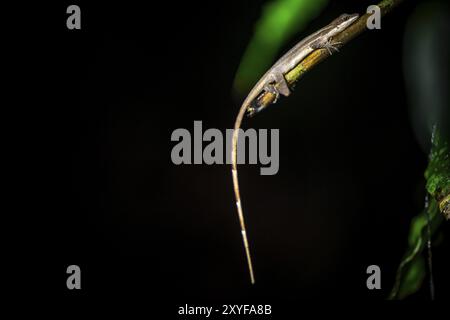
{"type": "Point", "coordinates": [273, 81]}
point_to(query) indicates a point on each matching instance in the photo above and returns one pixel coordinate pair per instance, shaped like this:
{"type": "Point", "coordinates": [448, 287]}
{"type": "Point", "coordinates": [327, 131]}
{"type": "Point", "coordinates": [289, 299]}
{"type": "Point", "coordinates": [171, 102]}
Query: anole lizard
{"type": "Point", "coordinates": [273, 81]}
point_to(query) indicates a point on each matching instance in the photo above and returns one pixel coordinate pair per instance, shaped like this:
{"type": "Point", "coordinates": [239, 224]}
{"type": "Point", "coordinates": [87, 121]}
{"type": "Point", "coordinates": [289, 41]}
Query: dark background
{"type": "Point", "coordinates": [350, 178]}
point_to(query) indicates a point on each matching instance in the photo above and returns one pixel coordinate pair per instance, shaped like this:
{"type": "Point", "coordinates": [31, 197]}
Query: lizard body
{"type": "Point", "coordinates": [274, 81]}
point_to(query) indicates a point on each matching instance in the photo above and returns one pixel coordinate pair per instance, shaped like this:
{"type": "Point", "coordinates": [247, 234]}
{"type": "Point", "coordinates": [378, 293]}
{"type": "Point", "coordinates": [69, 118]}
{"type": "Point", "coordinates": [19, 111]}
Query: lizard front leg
{"type": "Point", "coordinates": [330, 46]}
{"type": "Point", "coordinates": [327, 44]}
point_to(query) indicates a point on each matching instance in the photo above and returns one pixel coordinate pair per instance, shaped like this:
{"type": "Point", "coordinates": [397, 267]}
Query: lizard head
{"type": "Point", "coordinates": [343, 21]}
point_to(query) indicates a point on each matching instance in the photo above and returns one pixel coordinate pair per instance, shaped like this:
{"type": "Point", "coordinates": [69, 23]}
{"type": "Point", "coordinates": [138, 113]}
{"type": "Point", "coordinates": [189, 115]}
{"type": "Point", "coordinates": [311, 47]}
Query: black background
{"type": "Point", "coordinates": [350, 178]}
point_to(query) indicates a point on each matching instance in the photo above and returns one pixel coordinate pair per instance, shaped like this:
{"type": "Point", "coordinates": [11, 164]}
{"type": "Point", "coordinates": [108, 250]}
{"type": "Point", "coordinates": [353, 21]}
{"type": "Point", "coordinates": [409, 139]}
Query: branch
{"type": "Point", "coordinates": [318, 56]}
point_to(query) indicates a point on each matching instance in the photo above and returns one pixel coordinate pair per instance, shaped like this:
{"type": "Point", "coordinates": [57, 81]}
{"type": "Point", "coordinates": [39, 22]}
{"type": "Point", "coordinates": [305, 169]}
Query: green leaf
{"type": "Point", "coordinates": [413, 279]}
{"type": "Point", "coordinates": [411, 271]}
{"type": "Point", "coordinates": [438, 173]}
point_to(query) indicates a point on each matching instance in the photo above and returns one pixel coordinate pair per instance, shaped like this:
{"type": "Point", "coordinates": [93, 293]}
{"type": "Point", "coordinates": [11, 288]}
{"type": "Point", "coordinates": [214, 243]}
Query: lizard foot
{"type": "Point", "coordinates": [330, 46]}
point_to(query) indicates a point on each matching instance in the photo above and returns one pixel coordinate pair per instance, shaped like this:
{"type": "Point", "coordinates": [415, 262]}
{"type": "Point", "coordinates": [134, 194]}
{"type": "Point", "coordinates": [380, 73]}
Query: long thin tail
{"type": "Point", "coordinates": [237, 125]}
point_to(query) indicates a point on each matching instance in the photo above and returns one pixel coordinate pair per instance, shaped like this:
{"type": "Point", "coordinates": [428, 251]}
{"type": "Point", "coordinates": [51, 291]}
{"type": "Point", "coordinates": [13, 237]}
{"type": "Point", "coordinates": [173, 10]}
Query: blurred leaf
{"type": "Point", "coordinates": [413, 278]}
{"type": "Point", "coordinates": [280, 19]}
{"type": "Point", "coordinates": [411, 272]}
